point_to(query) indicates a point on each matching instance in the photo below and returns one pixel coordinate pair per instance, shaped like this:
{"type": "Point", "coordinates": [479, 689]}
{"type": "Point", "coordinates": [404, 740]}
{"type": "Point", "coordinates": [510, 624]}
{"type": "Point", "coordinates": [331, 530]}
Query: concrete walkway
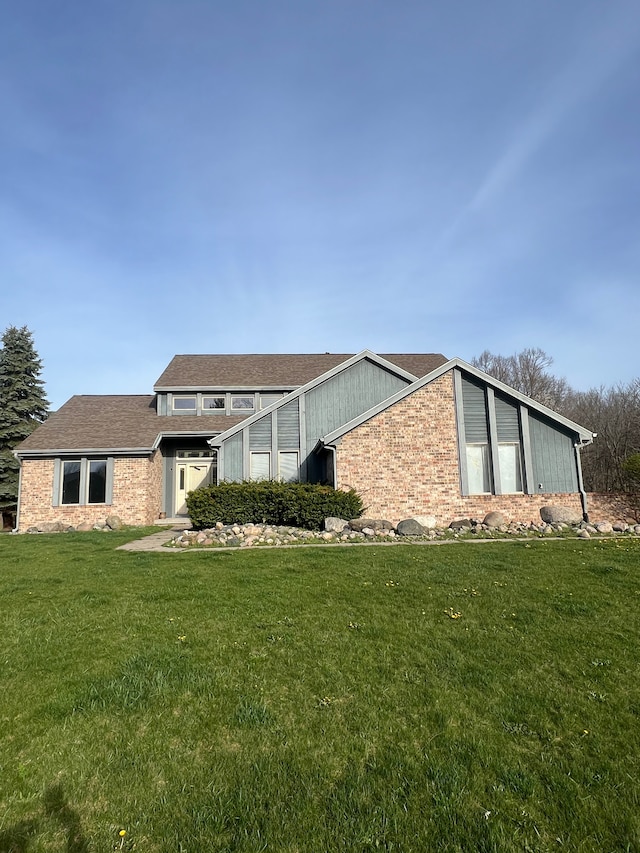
{"type": "Point", "coordinates": [156, 541]}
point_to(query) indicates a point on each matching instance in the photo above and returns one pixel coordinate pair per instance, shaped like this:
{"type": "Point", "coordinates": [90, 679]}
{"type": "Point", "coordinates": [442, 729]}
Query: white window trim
{"type": "Point", "coordinates": [289, 453]}
{"type": "Point", "coordinates": [252, 455]}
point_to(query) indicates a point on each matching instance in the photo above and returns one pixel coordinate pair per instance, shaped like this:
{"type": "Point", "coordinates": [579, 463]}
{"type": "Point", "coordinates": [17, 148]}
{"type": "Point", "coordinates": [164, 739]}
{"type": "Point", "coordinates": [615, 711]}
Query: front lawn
{"type": "Point", "coordinates": [404, 698]}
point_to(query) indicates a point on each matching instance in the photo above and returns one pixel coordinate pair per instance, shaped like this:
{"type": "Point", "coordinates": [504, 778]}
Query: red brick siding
{"type": "Point", "coordinates": [137, 494]}
{"type": "Point", "coordinates": [404, 462]}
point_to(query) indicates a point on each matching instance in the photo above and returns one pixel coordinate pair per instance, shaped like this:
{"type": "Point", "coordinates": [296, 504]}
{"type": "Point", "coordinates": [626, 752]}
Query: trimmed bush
{"type": "Point", "coordinates": [302, 505]}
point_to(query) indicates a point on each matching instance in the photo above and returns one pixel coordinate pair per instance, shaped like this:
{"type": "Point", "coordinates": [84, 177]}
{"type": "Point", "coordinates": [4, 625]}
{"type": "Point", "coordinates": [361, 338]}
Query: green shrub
{"type": "Point", "coordinates": [303, 505]}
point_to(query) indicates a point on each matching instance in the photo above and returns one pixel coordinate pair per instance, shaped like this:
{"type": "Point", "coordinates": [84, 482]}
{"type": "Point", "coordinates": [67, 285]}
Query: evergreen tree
{"type": "Point", "coordinates": [23, 404]}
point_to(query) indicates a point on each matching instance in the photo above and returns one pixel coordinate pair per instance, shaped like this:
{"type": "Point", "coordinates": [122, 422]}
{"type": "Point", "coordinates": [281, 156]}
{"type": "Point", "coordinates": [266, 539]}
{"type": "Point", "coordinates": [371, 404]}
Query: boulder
{"type": "Point", "coordinates": [604, 527]}
{"type": "Point", "coordinates": [494, 519]}
{"type": "Point", "coordinates": [84, 526]}
{"type": "Point", "coordinates": [552, 514]}
{"type": "Point", "coordinates": [461, 524]}
{"type": "Point", "coordinates": [410, 527]}
{"type": "Point", "coordinates": [335, 525]}
{"type": "Point", "coordinates": [359, 524]}
{"type": "Point", "coordinates": [584, 534]}
{"type": "Point", "coordinates": [429, 522]}
{"type": "Point", "coordinates": [114, 522]}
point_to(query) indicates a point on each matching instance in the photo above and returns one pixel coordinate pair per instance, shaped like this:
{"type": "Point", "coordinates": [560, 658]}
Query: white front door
{"type": "Point", "coordinates": [189, 476]}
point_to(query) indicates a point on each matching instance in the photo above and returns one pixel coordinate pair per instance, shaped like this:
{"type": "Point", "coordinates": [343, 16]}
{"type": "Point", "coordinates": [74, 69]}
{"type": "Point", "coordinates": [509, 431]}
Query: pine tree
{"type": "Point", "coordinates": [23, 404]}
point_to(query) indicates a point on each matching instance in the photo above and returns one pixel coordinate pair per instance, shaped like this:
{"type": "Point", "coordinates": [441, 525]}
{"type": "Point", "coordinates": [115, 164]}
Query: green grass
{"type": "Point", "coordinates": [319, 700]}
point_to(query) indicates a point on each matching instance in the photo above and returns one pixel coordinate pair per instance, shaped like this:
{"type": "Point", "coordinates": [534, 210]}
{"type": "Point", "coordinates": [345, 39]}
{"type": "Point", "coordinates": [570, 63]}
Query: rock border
{"type": "Point", "coordinates": [356, 531]}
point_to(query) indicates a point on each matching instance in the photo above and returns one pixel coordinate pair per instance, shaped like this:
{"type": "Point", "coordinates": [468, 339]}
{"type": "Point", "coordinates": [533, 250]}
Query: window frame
{"type": "Point", "coordinates": [235, 408]}
{"type": "Point", "coordinates": [252, 455]}
{"type": "Point", "coordinates": [84, 480]}
{"type": "Point", "coordinates": [282, 453]}
{"type": "Point", "coordinates": [176, 398]}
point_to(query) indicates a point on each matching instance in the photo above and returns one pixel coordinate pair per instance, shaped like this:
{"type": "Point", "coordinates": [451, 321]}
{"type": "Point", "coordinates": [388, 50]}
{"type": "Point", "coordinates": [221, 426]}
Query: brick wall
{"type": "Point", "coordinates": [404, 462]}
{"type": "Point", "coordinates": [137, 494]}
{"type": "Point", "coordinates": [613, 507]}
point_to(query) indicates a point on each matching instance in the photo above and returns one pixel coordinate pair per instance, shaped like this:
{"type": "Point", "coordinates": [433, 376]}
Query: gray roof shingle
{"type": "Point", "coordinates": [272, 371]}
{"type": "Point", "coordinates": [105, 422]}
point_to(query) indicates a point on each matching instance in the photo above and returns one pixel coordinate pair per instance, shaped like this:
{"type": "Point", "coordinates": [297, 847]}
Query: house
{"type": "Point", "coordinates": [414, 434]}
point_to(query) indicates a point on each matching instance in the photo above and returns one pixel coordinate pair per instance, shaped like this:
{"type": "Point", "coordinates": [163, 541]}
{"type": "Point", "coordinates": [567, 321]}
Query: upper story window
{"type": "Point", "coordinates": [182, 403]}
{"type": "Point", "coordinates": [242, 402]}
{"type": "Point", "coordinates": [213, 403]}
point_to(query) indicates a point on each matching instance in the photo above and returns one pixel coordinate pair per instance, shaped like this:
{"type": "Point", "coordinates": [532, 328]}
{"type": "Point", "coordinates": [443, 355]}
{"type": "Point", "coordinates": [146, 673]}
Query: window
{"type": "Point", "coordinates": [242, 402]}
{"type": "Point", "coordinates": [182, 403]}
{"type": "Point", "coordinates": [209, 403]}
{"type": "Point", "coordinates": [479, 480]}
{"type": "Point", "coordinates": [71, 483]}
{"type": "Point", "coordinates": [97, 481]}
{"type": "Point", "coordinates": [288, 466]}
{"type": "Point", "coordinates": [194, 454]}
{"type": "Point", "coordinates": [260, 466]}
{"type": "Point", "coordinates": [82, 481]}
{"type": "Point", "coordinates": [510, 468]}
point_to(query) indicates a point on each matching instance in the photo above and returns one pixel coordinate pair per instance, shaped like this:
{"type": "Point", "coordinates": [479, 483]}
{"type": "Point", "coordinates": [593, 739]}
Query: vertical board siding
{"type": "Point", "coordinates": [233, 458]}
{"type": "Point", "coordinates": [289, 426]}
{"type": "Point", "coordinates": [260, 434]}
{"type": "Point", "coordinates": [475, 412]}
{"type": "Point", "coordinates": [507, 421]}
{"type": "Point", "coordinates": [553, 458]}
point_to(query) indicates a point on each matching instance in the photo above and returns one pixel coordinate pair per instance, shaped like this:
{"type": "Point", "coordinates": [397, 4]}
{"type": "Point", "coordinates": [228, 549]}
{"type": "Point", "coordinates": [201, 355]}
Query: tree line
{"type": "Point", "coordinates": [612, 462]}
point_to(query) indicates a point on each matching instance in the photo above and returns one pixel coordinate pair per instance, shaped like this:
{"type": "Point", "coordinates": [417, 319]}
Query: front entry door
{"type": "Point", "coordinates": [189, 476]}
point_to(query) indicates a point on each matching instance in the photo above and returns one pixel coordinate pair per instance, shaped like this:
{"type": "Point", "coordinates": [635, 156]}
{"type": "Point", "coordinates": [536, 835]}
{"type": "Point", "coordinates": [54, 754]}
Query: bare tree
{"type": "Point", "coordinates": [527, 372]}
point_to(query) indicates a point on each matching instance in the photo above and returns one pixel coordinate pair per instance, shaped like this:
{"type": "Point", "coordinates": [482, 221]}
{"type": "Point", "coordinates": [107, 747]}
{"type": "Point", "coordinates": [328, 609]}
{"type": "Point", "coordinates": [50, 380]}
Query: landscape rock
{"type": "Point", "coordinates": [114, 522]}
{"type": "Point", "coordinates": [84, 527]}
{"type": "Point", "coordinates": [584, 534]}
{"type": "Point", "coordinates": [461, 524]}
{"type": "Point", "coordinates": [429, 522]}
{"type": "Point", "coordinates": [335, 525]}
{"type": "Point", "coordinates": [410, 527]}
{"type": "Point", "coordinates": [552, 514]}
{"type": "Point", "coordinates": [494, 519]}
{"type": "Point", "coordinates": [358, 524]}
{"type": "Point", "coordinates": [604, 527]}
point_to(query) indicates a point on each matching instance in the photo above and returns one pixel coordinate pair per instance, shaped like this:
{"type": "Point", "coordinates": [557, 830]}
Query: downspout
{"type": "Point", "coordinates": [334, 466]}
{"type": "Point", "coordinates": [583, 494]}
{"type": "Point", "coordinates": [15, 529]}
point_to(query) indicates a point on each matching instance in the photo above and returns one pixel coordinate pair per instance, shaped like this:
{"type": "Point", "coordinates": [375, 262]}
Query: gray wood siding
{"type": "Point", "coordinates": [553, 458]}
{"type": "Point", "coordinates": [260, 434]}
{"type": "Point", "coordinates": [474, 407]}
{"type": "Point", "coordinates": [507, 421]}
{"type": "Point", "coordinates": [233, 459]}
{"type": "Point", "coordinates": [289, 426]}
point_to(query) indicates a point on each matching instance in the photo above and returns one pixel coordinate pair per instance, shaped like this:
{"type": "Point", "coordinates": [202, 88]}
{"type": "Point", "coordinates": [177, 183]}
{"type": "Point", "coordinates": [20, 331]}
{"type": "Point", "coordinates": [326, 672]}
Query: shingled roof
{"type": "Point", "coordinates": [284, 372]}
{"type": "Point", "coordinates": [118, 423]}
{"type": "Point", "coordinates": [129, 423]}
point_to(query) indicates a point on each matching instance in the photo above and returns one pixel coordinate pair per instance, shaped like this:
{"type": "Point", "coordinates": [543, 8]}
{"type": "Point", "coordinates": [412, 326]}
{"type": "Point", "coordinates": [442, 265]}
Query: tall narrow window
{"type": "Point", "coordinates": [478, 469]}
{"type": "Point", "coordinates": [260, 464]}
{"type": "Point", "coordinates": [71, 482]}
{"type": "Point", "coordinates": [288, 466]}
{"type": "Point", "coordinates": [510, 468]}
{"type": "Point", "coordinates": [97, 481]}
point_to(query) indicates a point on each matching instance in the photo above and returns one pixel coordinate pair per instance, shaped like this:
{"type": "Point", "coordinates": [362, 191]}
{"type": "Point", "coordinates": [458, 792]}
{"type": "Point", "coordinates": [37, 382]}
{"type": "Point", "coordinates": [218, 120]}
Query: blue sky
{"type": "Point", "coordinates": [298, 176]}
